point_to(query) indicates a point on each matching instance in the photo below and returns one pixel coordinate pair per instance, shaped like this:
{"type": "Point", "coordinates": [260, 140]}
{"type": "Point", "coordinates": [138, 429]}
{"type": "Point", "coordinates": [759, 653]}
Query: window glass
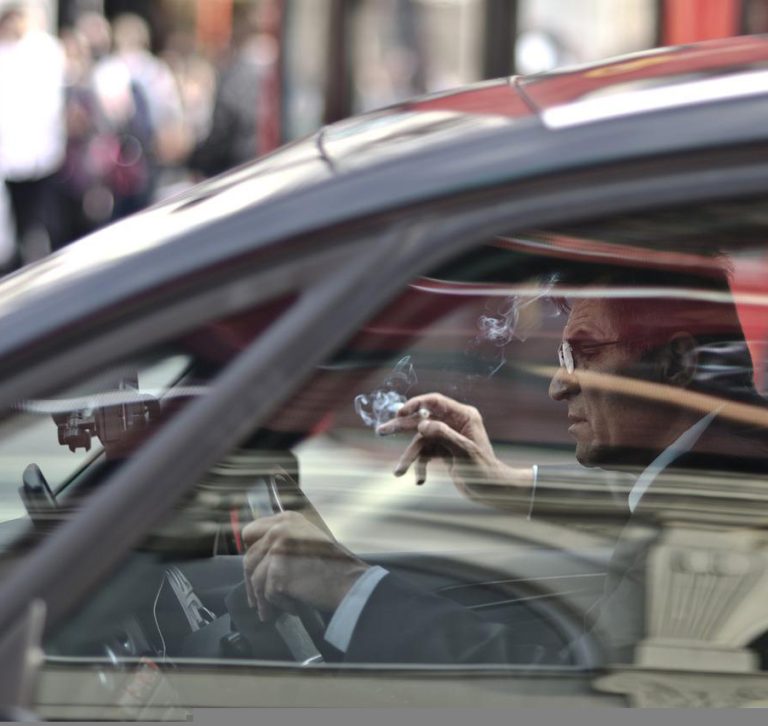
{"type": "Point", "coordinates": [57, 448]}
{"type": "Point", "coordinates": [43, 431]}
{"type": "Point", "coordinates": [621, 366]}
{"type": "Point", "coordinates": [543, 461]}
{"type": "Point", "coordinates": [70, 434]}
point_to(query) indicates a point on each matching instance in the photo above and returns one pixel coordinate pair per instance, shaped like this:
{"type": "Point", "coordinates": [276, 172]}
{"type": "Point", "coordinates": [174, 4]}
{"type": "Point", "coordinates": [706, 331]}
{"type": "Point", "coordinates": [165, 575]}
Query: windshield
{"type": "Point", "coordinates": [32, 436]}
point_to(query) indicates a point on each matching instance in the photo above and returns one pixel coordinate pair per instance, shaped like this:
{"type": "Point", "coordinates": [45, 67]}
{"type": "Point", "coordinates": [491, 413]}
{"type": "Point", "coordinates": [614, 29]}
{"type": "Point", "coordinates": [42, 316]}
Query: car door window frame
{"type": "Point", "coordinates": [357, 291]}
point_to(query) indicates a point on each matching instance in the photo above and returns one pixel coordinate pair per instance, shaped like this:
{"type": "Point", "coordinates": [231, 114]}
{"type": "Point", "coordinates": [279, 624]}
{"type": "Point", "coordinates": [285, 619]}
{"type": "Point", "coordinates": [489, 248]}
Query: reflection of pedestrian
{"type": "Point", "coordinates": [32, 129]}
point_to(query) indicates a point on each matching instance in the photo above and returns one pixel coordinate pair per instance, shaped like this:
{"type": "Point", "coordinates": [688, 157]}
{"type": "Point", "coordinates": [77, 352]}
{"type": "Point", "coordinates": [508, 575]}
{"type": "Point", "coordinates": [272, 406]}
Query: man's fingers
{"type": "Point", "coordinates": [429, 406]}
{"type": "Point", "coordinates": [257, 556]}
{"type": "Point", "coordinates": [410, 414]}
{"type": "Point", "coordinates": [435, 403]}
{"type": "Point", "coordinates": [439, 432]}
{"type": "Point", "coordinates": [258, 579]}
{"type": "Point", "coordinates": [421, 468]}
{"type": "Point", "coordinates": [433, 432]}
{"type": "Point", "coordinates": [398, 424]}
{"type": "Point", "coordinates": [411, 453]}
{"type": "Point", "coordinates": [260, 549]}
{"type": "Point", "coordinates": [249, 594]}
{"type": "Point", "coordinates": [255, 530]}
{"type": "Point", "coordinates": [255, 564]}
{"type": "Point", "coordinates": [276, 590]}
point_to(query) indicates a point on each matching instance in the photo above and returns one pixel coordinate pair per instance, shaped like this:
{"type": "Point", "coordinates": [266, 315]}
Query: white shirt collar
{"type": "Point", "coordinates": [684, 443]}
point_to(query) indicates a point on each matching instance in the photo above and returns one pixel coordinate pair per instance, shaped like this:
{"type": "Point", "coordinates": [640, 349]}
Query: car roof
{"type": "Point", "coordinates": [609, 80]}
{"type": "Point", "coordinates": [485, 134]}
{"type": "Point", "coordinates": [655, 68]}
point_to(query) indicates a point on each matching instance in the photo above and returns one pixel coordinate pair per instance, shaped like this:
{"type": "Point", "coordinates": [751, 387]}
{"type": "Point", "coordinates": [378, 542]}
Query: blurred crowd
{"type": "Point", "coordinates": [95, 126]}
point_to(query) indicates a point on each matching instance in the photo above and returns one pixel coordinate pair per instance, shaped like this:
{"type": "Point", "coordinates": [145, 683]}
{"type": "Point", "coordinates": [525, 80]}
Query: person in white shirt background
{"type": "Point", "coordinates": [32, 127]}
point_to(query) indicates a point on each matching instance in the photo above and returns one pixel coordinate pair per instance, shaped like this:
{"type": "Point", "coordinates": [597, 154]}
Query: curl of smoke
{"type": "Point", "coordinates": [382, 404]}
{"type": "Point", "coordinates": [500, 327]}
{"type": "Point", "coordinates": [496, 329]}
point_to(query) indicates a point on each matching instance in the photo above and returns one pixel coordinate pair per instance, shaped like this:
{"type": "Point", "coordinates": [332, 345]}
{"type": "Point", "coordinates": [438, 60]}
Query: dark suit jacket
{"type": "Point", "coordinates": [402, 624]}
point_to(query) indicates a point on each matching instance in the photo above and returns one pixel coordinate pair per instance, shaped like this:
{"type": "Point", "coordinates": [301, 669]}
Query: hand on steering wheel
{"type": "Point", "coordinates": [291, 561]}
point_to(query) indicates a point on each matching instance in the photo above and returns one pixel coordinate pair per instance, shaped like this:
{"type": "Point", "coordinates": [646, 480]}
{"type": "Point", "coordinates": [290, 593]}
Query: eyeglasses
{"type": "Point", "coordinates": [568, 355]}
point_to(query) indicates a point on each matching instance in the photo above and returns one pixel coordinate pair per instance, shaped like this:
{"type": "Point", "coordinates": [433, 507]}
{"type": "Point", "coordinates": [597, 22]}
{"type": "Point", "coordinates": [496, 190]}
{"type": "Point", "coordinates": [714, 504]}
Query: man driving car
{"type": "Point", "coordinates": [649, 383]}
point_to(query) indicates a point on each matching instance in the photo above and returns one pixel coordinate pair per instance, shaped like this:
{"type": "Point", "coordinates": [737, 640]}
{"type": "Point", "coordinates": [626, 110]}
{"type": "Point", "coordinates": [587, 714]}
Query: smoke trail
{"type": "Point", "coordinates": [382, 404]}
{"type": "Point", "coordinates": [508, 322]}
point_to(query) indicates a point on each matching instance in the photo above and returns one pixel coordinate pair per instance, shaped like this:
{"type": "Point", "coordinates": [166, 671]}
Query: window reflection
{"type": "Point", "coordinates": [596, 512]}
{"type": "Point", "coordinates": [628, 478]}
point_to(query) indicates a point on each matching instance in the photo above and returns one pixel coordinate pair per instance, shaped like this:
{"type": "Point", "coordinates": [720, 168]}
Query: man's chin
{"type": "Point", "coordinates": [587, 457]}
{"type": "Point", "coordinates": [607, 457]}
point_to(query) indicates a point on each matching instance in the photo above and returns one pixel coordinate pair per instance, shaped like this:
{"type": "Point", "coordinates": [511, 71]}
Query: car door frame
{"type": "Point", "coordinates": [417, 241]}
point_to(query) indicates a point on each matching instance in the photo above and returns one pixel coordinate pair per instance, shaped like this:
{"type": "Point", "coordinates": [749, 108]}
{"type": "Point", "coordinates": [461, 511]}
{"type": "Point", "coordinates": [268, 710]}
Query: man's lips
{"type": "Point", "coordinates": [574, 421]}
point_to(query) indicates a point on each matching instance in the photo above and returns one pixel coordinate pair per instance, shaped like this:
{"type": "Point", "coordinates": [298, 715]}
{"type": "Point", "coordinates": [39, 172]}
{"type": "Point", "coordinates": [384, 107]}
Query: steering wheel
{"type": "Point", "coordinates": [302, 631]}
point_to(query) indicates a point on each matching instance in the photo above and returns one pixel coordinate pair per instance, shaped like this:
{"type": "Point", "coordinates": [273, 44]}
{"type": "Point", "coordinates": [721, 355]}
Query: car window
{"type": "Point", "coordinates": [59, 447]}
{"type": "Point", "coordinates": [48, 443]}
{"type": "Point", "coordinates": [34, 435]}
{"type": "Point", "coordinates": [543, 461]}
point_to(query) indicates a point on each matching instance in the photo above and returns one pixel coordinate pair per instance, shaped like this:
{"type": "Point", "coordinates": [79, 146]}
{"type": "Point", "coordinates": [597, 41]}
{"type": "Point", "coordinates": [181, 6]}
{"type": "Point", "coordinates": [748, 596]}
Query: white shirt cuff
{"type": "Point", "coordinates": [534, 481]}
{"type": "Point", "coordinates": [342, 625]}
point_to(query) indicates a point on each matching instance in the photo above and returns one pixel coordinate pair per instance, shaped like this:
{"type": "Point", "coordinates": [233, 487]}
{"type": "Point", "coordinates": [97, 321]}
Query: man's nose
{"type": "Point", "coordinates": [563, 385]}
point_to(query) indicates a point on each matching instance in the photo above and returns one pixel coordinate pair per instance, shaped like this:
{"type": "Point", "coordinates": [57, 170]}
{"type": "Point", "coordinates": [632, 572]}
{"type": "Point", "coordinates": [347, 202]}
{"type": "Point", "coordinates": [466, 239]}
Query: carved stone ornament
{"type": "Point", "coordinates": [665, 689]}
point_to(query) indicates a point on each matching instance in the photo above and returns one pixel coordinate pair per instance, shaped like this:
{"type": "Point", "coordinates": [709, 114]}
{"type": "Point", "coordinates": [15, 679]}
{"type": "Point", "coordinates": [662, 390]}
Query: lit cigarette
{"type": "Point", "coordinates": [421, 467]}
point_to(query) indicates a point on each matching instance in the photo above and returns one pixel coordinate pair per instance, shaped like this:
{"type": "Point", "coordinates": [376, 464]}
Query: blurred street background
{"type": "Point", "coordinates": [107, 106]}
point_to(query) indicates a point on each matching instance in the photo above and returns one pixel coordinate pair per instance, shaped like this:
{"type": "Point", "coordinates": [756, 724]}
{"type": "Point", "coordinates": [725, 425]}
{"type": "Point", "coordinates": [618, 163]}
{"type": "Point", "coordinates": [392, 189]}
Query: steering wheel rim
{"type": "Point", "coordinates": [302, 630]}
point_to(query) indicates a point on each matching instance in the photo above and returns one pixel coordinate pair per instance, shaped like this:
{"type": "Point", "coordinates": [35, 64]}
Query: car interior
{"type": "Point", "coordinates": [481, 329]}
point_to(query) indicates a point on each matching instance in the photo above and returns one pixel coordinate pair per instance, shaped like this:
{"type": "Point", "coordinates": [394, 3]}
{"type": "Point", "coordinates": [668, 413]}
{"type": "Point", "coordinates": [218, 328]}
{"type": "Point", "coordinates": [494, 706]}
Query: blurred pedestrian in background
{"type": "Point", "coordinates": [96, 33]}
{"type": "Point", "coordinates": [141, 98]}
{"type": "Point", "coordinates": [85, 180]}
{"type": "Point", "coordinates": [32, 130]}
{"type": "Point", "coordinates": [233, 136]}
{"type": "Point", "coordinates": [196, 79]}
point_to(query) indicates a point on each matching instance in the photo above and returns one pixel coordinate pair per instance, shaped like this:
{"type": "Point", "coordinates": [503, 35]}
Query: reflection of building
{"type": "Point", "coordinates": [707, 585]}
{"type": "Point", "coordinates": [703, 592]}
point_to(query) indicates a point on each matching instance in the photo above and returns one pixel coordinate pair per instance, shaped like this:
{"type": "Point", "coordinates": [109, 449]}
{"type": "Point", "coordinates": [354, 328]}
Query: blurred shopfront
{"type": "Point", "coordinates": [346, 56]}
{"type": "Point", "coordinates": [333, 58]}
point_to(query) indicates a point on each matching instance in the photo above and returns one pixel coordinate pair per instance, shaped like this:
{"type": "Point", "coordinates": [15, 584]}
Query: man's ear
{"type": "Point", "coordinates": [678, 360]}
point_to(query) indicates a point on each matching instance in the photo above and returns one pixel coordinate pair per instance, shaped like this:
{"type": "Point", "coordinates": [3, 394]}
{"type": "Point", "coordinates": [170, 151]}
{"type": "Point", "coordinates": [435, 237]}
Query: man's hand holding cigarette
{"type": "Point", "coordinates": [456, 433]}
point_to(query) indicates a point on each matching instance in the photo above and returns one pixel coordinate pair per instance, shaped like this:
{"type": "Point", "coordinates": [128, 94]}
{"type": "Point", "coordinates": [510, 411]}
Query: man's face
{"type": "Point", "coordinates": [609, 427]}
